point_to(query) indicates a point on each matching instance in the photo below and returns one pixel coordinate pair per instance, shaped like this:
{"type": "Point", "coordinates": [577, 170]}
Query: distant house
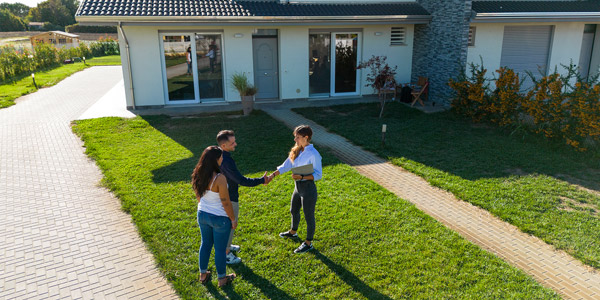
{"type": "Point", "coordinates": [309, 49]}
{"type": "Point", "coordinates": [35, 25]}
{"type": "Point", "coordinates": [59, 39]}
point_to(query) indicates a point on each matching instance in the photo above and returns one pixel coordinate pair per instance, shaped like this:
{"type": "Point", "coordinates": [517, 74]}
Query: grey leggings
{"type": "Point", "coordinates": [305, 197]}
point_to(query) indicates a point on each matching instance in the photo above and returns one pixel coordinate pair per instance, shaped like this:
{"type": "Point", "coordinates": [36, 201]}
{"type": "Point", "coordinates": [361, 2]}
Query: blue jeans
{"type": "Point", "coordinates": [215, 231]}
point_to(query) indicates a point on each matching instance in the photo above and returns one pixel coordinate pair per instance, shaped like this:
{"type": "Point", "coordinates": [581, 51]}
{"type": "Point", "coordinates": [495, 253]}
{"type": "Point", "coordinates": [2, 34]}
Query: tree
{"type": "Point", "coordinates": [10, 22]}
{"type": "Point", "coordinates": [55, 12]}
{"type": "Point", "coordinates": [18, 9]}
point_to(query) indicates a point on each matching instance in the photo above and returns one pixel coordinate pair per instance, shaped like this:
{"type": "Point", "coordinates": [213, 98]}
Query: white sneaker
{"type": "Point", "coordinates": [231, 259]}
{"type": "Point", "coordinates": [234, 248]}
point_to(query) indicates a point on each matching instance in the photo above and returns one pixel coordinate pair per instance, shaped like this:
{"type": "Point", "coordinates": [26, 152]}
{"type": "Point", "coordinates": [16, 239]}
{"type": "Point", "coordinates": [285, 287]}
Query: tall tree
{"type": "Point", "coordinates": [53, 11]}
{"type": "Point", "coordinates": [18, 9]}
{"type": "Point", "coordinates": [10, 22]}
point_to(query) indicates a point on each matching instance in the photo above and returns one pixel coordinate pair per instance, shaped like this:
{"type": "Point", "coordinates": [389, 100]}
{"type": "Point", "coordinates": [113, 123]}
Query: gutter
{"type": "Point", "coordinates": [537, 17]}
{"type": "Point", "coordinates": [128, 64]}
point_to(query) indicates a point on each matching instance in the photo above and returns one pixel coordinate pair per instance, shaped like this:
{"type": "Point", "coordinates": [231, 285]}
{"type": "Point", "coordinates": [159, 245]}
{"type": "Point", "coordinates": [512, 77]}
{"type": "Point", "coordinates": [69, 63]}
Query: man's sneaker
{"type": "Point", "coordinates": [231, 259]}
{"type": "Point", "coordinates": [234, 248]}
{"type": "Point", "coordinates": [303, 248]}
{"type": "Point", "coordinates": [288, 234]}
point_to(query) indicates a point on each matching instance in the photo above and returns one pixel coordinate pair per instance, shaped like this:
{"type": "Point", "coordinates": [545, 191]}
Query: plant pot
{"type": "Point", "coordinates": [247, 104]}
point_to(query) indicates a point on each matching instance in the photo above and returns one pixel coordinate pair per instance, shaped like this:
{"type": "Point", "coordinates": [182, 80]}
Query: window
{"type": "Point", "coordinates": [398, 36]}
{"type": "Point", "coordinates": [471, 36]}
{"type": "Point", "coordinates": [62, 41]}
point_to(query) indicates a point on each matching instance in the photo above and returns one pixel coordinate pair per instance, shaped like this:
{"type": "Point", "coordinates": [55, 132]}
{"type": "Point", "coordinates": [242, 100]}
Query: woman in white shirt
{"type": "Point", "coordinates": [215, 213]}
{"type": "Point", "coordinates": [305, 191]}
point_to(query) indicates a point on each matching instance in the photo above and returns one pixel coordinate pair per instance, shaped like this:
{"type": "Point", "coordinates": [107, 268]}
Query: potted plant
{"type": "Point", "coordinates": [246, 90]}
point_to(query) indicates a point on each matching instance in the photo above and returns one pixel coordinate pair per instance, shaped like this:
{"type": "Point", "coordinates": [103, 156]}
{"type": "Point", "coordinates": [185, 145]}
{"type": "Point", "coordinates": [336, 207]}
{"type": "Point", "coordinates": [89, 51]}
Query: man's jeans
{"type": "Point", "coordinates": [215, 231]}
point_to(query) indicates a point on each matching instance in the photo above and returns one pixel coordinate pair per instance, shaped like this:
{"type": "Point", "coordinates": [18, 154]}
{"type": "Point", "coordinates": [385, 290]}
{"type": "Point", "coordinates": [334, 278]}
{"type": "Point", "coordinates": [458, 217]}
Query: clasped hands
{"type": "Point", "coordinates": [269, 178]}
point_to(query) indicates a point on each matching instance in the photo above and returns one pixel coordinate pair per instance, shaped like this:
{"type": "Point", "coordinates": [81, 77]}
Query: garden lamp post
{"type": "Point", "coordinates": [383, 130]}
{"type": "Point", "coordinates": [84, 60]}
{"type": "Point", "coordinates": [33, 78]}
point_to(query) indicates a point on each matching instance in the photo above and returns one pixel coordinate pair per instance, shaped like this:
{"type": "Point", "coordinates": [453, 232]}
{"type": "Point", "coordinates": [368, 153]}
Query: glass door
{"type": "Point", "coordinates": [179, 70]}
{"type": "Point", "coordinates": [346, 53]}
{"type": "Point", "coordinates": [193, 67]}
{"type": "Point", "coordinates": [209, 65]}
{"type": "Point", "coordinates": [319, 64]}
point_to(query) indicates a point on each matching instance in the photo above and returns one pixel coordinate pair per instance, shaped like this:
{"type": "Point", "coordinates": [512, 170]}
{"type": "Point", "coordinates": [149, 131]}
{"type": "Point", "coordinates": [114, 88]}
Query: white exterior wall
{"type": "Point", "coordinates": [565, 45]}
{"type": "Point", "coordinates": [147, 68]}
{"type": "Point", "coordinates": [378, 45]}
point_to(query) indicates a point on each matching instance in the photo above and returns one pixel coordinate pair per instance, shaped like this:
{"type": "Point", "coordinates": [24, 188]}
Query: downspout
{"type": "Point", "coordinates": [128, 64]}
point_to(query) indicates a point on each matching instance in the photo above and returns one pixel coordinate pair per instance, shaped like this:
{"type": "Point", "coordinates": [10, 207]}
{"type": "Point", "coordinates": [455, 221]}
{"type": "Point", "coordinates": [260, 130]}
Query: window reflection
{"type": "Point", "coordinates": [178, 65]}
{"type": "Point", "coordinates": [209, 62]}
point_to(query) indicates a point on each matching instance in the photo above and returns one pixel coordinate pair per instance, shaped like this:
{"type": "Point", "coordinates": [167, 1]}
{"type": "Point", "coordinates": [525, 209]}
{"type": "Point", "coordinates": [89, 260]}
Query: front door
{"type": "Point", "coordinates": [266, 76]}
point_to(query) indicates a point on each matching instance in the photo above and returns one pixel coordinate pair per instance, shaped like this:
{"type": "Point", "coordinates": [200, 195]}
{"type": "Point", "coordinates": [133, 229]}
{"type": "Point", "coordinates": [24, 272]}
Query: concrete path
{"type": "Point", "coordinates": [553, 269]}
{"type": "Point", "coordinates": [61, 235]}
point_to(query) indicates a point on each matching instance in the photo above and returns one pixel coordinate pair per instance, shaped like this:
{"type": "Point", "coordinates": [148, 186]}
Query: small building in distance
{"type": "Point", "coordinates": [59, 39]}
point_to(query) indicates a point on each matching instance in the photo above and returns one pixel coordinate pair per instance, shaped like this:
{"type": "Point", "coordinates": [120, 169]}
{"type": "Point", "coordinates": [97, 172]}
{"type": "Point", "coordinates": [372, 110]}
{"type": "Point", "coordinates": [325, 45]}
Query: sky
{"type": "Point", "coordinates": [30, 3]}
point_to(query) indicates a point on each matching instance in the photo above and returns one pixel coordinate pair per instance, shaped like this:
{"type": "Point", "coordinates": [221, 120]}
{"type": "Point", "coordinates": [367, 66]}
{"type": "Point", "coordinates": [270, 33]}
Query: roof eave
{"type": "Point", "coordinates": [536, 17]}
{"type": "Point", "coordinates": [193, 20]}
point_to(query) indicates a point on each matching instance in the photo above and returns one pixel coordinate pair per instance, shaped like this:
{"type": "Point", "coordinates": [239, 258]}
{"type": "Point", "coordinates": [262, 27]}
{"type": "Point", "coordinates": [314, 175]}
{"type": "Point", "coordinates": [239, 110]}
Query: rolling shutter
{"type": "Point", "coordinates": [526, 48]}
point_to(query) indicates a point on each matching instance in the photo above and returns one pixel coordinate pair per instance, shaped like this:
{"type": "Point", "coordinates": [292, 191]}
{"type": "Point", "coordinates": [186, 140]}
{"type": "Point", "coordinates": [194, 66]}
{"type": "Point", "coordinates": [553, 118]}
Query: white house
{"type": "Point", "coordinates": [308, 49]}
{"type": "Point", "coordinates": [535, 36]}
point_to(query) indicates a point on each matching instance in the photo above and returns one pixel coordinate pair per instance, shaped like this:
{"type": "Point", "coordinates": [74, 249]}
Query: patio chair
{"type": "Point", "coordinates": [388, 88]}
{"type": "Point", "coordinates": [421, 89]}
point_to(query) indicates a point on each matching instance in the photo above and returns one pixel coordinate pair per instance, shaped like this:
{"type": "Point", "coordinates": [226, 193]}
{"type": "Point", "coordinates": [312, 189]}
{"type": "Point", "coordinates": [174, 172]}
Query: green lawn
{"type": "Point", "coordinates": [369, 243]}
{"type": "Point", "coordinates": [9, 91]}
{"type": "Point", "coordinates": [544, 188]}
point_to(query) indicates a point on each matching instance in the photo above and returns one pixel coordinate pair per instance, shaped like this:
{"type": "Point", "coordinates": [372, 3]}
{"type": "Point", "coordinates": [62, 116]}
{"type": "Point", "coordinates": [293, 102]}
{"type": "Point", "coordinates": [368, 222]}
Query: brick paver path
{"type": "Point", "coordinates": [552, 268]}
{"type": "Point", "coordinates": [61, 235]}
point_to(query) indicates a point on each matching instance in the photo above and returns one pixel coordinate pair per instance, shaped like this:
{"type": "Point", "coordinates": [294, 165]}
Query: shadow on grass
{"type": "Point", "coordinates": [267, 288]}
{"type": "Point", "coordinates": [253, 154]}
{"type": "Point", "coordinates": [452, 144]}
{"type": "Point", "coordinates": [349, 278]}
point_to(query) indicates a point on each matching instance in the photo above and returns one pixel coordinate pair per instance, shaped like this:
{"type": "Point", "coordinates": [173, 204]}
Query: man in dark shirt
{"type": "Point", "coordinates": [226, 140]}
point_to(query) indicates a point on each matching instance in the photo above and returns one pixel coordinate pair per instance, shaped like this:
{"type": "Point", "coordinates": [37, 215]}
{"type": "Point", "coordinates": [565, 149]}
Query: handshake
{"type": "Point", "coordinates": [268, 178]}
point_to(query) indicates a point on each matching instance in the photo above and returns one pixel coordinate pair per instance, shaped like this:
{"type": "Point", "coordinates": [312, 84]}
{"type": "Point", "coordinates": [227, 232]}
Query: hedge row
{"type": "Point", "coordinates": [565, 107]}
{"type": "Point", "coordinates": [14, 63]}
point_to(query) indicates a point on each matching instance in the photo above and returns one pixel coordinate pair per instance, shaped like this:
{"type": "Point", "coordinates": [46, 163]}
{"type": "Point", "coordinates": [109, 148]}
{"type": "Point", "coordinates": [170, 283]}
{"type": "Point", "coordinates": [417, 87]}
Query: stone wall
{"type": "Point", "coordinates": [440, 47]}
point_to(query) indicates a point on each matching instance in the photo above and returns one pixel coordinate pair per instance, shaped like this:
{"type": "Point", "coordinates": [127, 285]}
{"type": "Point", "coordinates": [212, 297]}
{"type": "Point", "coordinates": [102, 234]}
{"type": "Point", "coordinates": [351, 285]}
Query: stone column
{"type": "Point", "coordinates": [440, 47]}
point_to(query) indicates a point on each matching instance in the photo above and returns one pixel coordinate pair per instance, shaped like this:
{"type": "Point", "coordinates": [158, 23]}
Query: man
{"type": "Point", "coordinates": [226, 140]}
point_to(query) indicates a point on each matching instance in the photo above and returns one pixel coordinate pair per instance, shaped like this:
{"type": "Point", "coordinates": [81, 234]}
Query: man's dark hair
{"type": "Point", "coordinates": [223, 136]}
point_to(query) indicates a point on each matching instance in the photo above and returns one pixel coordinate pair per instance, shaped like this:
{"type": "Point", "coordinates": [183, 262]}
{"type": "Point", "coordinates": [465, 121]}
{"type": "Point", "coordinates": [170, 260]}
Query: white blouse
{"type": "Point", "coordinates": [309, 155]}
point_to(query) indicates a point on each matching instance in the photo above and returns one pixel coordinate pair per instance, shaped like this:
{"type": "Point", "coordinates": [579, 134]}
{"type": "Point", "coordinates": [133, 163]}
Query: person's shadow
{"type": "Point", "coordinates": [267, 288]}
{"type": "Point", "coordinates": [349, 278]}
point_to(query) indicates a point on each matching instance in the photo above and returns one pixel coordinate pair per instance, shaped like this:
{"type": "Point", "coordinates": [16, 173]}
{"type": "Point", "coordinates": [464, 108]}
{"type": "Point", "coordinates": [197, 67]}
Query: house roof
{"type": "Point", "coordinates": [240, 9]}
{"type": "Point", "coordinates": [62, 33]}
{"type": "Point", "coordinates": [531, 11]}
{"type": "Point", "coordinates": [534, 6]}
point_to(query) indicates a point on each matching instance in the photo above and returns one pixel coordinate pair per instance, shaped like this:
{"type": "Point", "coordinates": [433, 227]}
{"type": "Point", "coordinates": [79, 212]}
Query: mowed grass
{"type": "Point", "coordinates": [544, 188]}
{"type": "Point", "coordinates": [369, 243]}
{"type": "Point", "coordinates": [9, 91]}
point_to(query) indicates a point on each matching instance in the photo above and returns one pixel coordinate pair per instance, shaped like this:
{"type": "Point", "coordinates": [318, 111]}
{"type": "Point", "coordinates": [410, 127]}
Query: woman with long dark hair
{"type": "Point", "coordinates": [305, 191]}
{"type": "Point", "coordinates": [215, 213]}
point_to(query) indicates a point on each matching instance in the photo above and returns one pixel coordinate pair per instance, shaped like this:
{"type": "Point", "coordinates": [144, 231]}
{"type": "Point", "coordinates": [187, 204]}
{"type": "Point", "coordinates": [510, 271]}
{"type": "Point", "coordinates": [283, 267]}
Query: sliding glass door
{"type": "Point", "coordinates": [192, 64]}
{"type": "Point", "coordinates": [333, 58]}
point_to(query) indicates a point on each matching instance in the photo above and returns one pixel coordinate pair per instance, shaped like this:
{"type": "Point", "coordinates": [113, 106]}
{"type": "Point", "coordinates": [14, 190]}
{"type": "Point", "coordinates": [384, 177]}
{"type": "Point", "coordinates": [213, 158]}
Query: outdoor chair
{"type": "Point", "coordinates": [388, 88]}
{"type": "Point", "coordinates": [420, 90]}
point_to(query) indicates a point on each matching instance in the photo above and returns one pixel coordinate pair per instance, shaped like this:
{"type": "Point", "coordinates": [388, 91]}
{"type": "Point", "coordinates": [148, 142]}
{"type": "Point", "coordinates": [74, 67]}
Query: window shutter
{"type": "Point", "coordinates": [398, 36]}
{"type": "Point", "coordinates": [471, 36]}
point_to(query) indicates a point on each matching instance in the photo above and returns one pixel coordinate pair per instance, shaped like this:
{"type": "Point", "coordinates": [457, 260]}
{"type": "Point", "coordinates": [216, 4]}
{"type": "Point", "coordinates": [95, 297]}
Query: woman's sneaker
{"type": "Point", "coordinates": [234, 248]}
{"type": "Point", "coordinates": [303, 248]}
{"type": "Point", "coordinates": [288, 234]}
{"type": "Point", "coordinates": [231, 259]}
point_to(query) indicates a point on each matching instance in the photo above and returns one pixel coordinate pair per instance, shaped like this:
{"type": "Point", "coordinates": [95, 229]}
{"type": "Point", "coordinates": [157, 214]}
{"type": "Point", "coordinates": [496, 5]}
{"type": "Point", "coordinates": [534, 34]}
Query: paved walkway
{"type": "Point", "coordinates": [552, 268]}
{"type": "Point", "coordinates": [61, 235]}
